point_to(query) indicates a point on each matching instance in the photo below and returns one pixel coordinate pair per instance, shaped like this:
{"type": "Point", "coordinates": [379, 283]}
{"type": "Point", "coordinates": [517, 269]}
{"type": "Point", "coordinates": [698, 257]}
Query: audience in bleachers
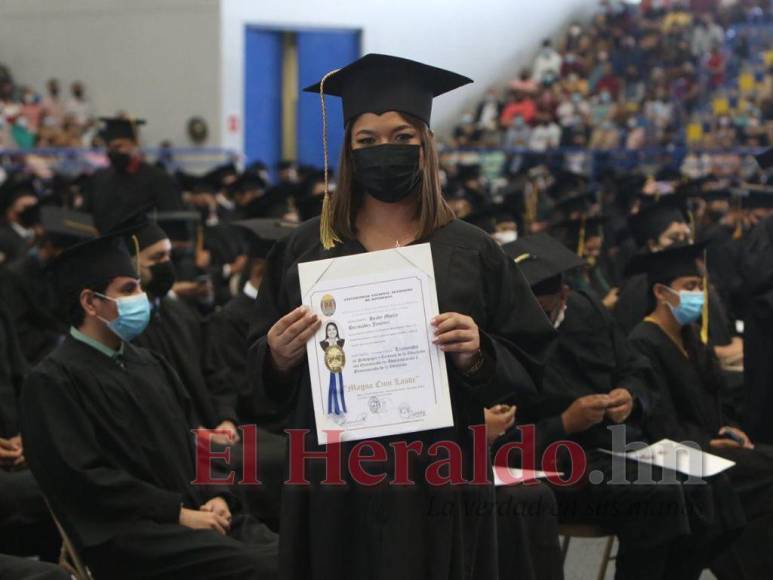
{"type": "Point", "coordinates": [29, 119]}
{"type": "Point", "coordinates": [637, 77]}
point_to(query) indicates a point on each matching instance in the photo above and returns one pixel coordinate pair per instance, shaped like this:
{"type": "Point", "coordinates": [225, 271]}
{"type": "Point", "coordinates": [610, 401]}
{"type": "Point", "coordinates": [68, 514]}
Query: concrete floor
{"type": "Point", "coordinates": [584, 559]}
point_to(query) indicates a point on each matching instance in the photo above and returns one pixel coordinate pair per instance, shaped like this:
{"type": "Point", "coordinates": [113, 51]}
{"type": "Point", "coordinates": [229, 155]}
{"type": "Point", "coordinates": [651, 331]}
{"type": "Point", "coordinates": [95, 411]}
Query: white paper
{"type": "Point", "coordinates": [677, 457]}
{"type": "Point", "coordinates": [394, 379]}
{"type": "Point", "coordinates": [506, 475]}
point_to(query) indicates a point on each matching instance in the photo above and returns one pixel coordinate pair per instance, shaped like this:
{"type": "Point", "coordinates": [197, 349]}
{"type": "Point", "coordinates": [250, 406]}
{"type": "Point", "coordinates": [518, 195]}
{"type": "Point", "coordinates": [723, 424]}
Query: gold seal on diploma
{"type": "Point", "coordinates": [328, 305]}
{"type": "Point", "coordinates": [335, 359]}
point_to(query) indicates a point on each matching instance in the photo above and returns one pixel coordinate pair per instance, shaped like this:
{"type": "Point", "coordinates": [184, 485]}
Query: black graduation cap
{"type": "Point", "coordinates": [66, 227]}
{"type": "Point", "coordinates": [653, 219]}
{"type": "Point", "coordinates": [628, 186]}
{"type": "Point", "coordinates": [263, 233]}
{"type": "Point", "coordinates": [467, 171]}
{"type": "Point", "coordinates": [246, 182]}
{"type": "Point", "coordinates": [178, 225]}
{"type": "Point", "coordinates": [542, 259]}
{"type": "Point", "coordinates": [487, 217]}
{"type": "Point", "coordinates": [667, 265]}
{"type": "Point", "coordinates": [575, 202]}
{"type": "Point", "coordinates": [715, 194]}
{"type": "Point", "coordinates": [309, 206]}
{"type": "Point", "coordinates": [92, 263]}
{"type": "Point", "coordinates": [668, 173]}
{"type": "Point", "coordinates": [194, 183]}
{"type": "Point", "coordinates": [576, 232]}
{"type": "Point", "coordinates": [120, 128]}
{"type": "Point", "coordinates": [14, 187]}
{"type": "Point", "coordinates": [140, 230]}
{"type": "Point", "coordinates": [221, 175]}
{"type": "Point", "coordinates": [753, 199]}
{"type": "Point", "coordinates": [377, 83]}
{"type": "Point", "coordinates": [765, 159]}
{"type": "Point", "coordinates": [568, 182]}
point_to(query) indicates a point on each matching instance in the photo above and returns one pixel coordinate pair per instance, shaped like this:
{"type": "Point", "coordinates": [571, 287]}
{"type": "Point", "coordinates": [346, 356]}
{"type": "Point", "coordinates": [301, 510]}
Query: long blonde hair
{"type": "Point", "coordinates": [432, 212]}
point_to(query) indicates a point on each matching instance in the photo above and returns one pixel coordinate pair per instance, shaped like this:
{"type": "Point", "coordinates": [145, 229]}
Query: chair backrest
{"type": "Point", "coordinates": [69, 559]}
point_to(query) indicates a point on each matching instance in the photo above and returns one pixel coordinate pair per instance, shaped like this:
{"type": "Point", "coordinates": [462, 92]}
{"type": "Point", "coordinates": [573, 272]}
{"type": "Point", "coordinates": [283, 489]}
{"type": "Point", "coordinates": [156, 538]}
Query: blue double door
{"type": "Point", "coordinates": [318, 52]}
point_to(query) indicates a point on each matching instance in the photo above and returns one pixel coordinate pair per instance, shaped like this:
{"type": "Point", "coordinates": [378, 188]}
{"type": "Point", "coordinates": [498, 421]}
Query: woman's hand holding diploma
{"type": "Point", "coordinates": [288, 337]}
{"type": "Point", "coordinates": [458, 335]}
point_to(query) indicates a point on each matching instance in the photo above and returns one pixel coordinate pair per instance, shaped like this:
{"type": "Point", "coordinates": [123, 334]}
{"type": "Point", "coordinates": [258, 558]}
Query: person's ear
{"type": "Point", "coordinates": [662, 295]}
{"type": "Point", "coordinates": [87, 300]}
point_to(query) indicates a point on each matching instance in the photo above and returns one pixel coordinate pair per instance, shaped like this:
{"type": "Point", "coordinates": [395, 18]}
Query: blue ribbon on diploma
{"type": "Point", "coordinates": [335, 393]}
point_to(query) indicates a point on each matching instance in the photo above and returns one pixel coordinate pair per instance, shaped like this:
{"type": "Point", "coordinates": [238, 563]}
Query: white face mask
{"type": "Point", "coordinates": [560, 318]}
{"type": "Point", "coordinates": [505, 237]}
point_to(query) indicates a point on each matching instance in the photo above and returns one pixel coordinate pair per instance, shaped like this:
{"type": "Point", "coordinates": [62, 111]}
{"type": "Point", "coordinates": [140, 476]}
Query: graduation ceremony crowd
{"type": "Point", "coordinates": [606, 220]}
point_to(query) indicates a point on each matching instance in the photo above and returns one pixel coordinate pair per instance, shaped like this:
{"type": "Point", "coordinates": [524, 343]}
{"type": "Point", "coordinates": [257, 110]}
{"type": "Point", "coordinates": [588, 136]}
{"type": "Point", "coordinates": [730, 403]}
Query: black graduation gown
{"type": "Point", "coordinates": [182, 337]}
{"type": "Point", "coordinates": [114, 196]}
{"type": "Point", "coordinates": [527, 533]}
{"type": "Point", "coordinates": [13, 369]}
{"type": "Point", "coordinates": [26, 529]}
{"type": "Point", "coordinates": [12, 245]}
{"type": "Point", "coordinates": [109, 442]}
{"type": "Point", "coordinates": [34, 305]}
{"type": "Point", "coordinates": [593, 357]}
{"type": "Point", "coordinates": [16, 568]}
{"type": "Point", "coordinates": [419, 532]}
{"type": "Point", "coordinates": [634, 304]}
{"type": "Point", "coordinates": [592, 280]}
{"type": "Point", "coordinates": [692, 408]}
{"type": "Point", "coordinates": [229, 329]}
{"type": "Point", "coordinates": [723, 254]}
{"type": "Point", "coordinates": [756, 267]}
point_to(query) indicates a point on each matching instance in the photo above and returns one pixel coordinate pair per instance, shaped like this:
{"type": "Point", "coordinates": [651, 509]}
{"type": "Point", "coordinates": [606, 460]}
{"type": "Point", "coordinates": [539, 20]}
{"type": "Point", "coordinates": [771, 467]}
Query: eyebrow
{"type": "Point", "coordinates": [364, 132]}
{"type": "Point", "coordinates": [402, 128]}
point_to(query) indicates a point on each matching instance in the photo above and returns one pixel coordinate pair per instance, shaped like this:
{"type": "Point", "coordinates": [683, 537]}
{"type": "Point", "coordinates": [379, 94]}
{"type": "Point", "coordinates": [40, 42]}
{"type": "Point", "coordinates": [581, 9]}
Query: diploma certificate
{"type": "Point", "coordinates": [374, 370]}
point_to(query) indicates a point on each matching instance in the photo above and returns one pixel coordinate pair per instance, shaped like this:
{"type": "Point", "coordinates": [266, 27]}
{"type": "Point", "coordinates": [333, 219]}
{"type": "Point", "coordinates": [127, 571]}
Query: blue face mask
{"type": "Point", "coordinates": [133, 316]}
{"type": "Point", "coordinates": [690, 306]}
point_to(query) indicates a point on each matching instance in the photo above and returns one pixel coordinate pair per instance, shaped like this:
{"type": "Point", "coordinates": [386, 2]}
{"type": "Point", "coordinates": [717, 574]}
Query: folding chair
{"type": "Point", "coordinates": [569, 531]}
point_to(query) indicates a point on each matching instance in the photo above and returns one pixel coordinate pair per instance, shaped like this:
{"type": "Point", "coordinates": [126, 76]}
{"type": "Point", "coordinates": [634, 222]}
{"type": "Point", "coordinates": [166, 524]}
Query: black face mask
{"type": "Point", "coordinates": [162, 279]}
{"type": "Point", "coordinates": [387, 172]}
{"type": "Point", "coordinates": [119, 161]}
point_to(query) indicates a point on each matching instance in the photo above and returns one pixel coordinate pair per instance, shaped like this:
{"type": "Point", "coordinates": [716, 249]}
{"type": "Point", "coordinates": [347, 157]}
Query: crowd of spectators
{"type": "Point", "coordinates": [654, 75]}
{"type": "Point", "coordinates": [30, 119]}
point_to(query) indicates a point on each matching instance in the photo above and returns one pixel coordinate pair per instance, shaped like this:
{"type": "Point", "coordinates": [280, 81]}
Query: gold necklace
{"type": "Point", "coordinates": [668, 334]}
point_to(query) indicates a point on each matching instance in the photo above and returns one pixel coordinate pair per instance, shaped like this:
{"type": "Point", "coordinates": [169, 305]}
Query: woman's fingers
{"type": "Point", "coordinates": [469, 346]}
{"type": "Point", "coordinates": [300, 340]}
{"type": "Point", "coordinates": [297, 328]}
{"type": "Point", "coordinates": [281, 325]}
{"type": "Point", "coordinates": [453, 336]}
{"type": "Point", "coordinates": [451, 321]}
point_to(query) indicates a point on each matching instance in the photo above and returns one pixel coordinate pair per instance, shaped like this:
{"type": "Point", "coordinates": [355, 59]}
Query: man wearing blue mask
{"type": "Point", "coordinates": [106, 427]}
{"type": "Point", "coordinates": [691, 396]}
{"type": "Point", "coordinates": [596, 384]}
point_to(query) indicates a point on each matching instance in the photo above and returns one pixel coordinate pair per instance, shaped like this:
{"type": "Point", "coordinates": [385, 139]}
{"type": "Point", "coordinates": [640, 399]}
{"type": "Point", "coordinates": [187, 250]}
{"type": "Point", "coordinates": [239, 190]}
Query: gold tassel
{"type": "Point", "coordinates": [532, 203]}
{"type": "Point", "coordinates": [199, 239]}
{"type": "Point", "coordinates": [327, 234]}
{"type": "Point", "coordinates": [581, 238]}
{"type": "Point", "coordinates": [738, 233]}
{"type": "Point", "coordinates": [136, 243]}
{"type": "Point", "coordinates": [705, 313]}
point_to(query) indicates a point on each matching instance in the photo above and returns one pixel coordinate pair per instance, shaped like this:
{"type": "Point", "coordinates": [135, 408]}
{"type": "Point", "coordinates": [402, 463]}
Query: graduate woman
{"type": "Point", "coordinates": [493, 332]}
